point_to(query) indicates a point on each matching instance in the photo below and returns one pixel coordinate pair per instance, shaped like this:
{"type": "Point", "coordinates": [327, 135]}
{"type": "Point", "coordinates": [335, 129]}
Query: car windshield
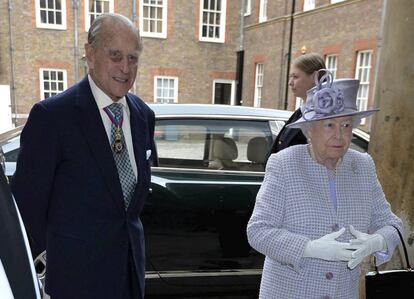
{"type": "Point", "coordinates": [213, 143]}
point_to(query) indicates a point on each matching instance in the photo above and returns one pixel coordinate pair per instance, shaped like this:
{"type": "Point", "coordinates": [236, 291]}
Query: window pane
{"type": "Point", "coordinates": [42, 3]}
{"type": "Point", "coordinates": [58, 5]}
{"type": "Point", "coordinates": [59, 18]}
{"type": "Point", "coordinates": [50, 4]}
{"type": "Point", "coordinates": [53, 75]}
{"type": "Point", "coordinates": [43, 17]}
{"type": "Point", "coordinates": [51, 17]}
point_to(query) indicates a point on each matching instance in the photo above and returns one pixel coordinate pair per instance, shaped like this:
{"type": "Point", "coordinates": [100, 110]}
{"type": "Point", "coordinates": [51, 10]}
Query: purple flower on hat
{"type": "Point", "coordinates": [327, 101]}
{"type": "Point", "coordinates": [324, 101]}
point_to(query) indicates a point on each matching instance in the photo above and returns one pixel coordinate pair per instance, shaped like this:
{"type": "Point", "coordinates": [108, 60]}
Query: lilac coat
{"type": "Point", "coordinates": [293, 206]}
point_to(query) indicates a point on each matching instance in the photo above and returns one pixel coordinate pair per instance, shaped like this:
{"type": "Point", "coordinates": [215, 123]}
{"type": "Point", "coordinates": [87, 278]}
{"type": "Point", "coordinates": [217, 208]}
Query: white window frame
{"type": "Point", "coordinates": [263, 11]}
{"type": "Point", "coordinates": [362, 72]}
{"type": "Point", "coordinates": [331, 62]}
{"type": "Point", "coordinates": [175, 96]}
{"type": "Point", "coordinates": [41, 80]}
{"type": "Point", "coordinates": [248, 7]}
{"type": "Point", "coordinates": [336, 1]}
{"type": "Point", "coordinates": [233, 90]}
{"type": "Point", "coordinates": [308, 5]}
{"type": "Point", "coordinates": [164, 7]}
{"type": "Point", "coordinates": [87, 13]}
{"type": "Point", "coordinates": [222, 31]}
{"type": "Point", "coordinates": [39, 23]}
{"type": "Point", "coordinates": [258, 84]}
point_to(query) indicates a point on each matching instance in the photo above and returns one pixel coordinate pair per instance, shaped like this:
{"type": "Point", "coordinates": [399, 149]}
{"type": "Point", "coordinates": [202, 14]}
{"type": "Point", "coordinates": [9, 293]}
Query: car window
{"type": "Point", "coordinates": [10, 149]}
{"type": "Point", "coordinates": [214, 144]}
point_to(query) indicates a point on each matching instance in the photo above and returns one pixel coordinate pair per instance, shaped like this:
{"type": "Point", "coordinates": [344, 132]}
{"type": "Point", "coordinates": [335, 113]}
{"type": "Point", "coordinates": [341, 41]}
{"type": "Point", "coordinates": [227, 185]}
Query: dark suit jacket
{"type": "Point", "coordinates": [68, 191]}
{"type": "Point", "coordinates": [288, 136]}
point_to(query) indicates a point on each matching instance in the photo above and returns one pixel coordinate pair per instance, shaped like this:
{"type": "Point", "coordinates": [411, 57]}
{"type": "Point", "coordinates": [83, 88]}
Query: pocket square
{"type": "Point", "coordinates": [148, 154]}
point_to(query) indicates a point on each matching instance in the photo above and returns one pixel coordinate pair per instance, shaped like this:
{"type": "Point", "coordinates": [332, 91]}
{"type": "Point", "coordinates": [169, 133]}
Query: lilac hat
{"type": "Point", "coordinates": [330, 99]}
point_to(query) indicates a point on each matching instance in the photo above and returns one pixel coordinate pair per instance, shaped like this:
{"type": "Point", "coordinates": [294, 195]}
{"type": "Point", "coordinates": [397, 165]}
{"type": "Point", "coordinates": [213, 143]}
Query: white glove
{"type": "Point", "coordinates": [327, 248]}
{"type": "Point", "coordinates": [369, 244]}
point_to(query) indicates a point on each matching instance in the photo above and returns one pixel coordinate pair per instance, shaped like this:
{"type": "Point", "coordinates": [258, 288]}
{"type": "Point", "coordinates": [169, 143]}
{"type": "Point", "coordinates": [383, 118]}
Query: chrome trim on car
{"type": "Point", "coordinates": [182, 274]}
{"type": "Point", "coordinates": [232, 117]}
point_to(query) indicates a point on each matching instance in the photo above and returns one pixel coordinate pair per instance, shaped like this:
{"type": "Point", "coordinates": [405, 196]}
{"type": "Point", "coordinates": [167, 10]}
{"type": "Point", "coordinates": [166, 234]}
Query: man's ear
{"type": "Point", "coordinates": [90, 57]}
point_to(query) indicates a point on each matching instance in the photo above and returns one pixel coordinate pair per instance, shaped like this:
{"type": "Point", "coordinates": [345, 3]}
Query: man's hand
{"type": "Point", "coordinates": [327, 248]}
{"type": "Point", "coordinates": [368, 244]}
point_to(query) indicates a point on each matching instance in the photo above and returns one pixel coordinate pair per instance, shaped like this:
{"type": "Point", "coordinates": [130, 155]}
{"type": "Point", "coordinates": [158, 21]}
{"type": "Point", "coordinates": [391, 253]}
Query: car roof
{"type": "Point", "coordinates": [215, 110]}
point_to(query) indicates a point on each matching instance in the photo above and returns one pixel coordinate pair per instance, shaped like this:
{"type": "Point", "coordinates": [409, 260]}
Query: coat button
{"type": "Point", "coordinates": [329, 275]}
{"type": "Point", "coordinates": [335, 227]}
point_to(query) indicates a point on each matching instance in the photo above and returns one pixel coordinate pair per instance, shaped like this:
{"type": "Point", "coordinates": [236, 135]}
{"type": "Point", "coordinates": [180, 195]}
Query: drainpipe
{"type": "Point", "coordinates": [134, 21]}
{"type": "Point", "coordinates": [240, 57]}
{"type": "Point", "coordinates": [289, 54]}
{"type": "Point", "coordinates": [134, 11]}
{"type": "Point", "coordinates": [76, 52]}
{"type": "Point", "coordinates": [12, 71]}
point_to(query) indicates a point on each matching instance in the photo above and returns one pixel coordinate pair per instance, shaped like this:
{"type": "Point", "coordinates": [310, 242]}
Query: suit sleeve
{"type": "Point", "coordinates": [33, 180]}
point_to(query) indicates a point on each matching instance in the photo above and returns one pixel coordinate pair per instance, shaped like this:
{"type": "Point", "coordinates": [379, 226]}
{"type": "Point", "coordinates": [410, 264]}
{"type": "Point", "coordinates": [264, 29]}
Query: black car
{"type": "Point", "coordinates": [210, 165]}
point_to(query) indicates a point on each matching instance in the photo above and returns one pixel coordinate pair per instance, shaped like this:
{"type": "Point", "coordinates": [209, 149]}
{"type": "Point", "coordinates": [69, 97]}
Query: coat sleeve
{"type": "Point", "coordinates": [265, 230]}
{"type": "Point", "coordinates": [33, 180]}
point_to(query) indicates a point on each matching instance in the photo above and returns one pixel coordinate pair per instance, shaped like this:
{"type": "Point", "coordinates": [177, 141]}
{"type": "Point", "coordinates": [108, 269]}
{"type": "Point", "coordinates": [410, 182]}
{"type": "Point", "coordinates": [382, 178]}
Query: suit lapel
{"type": "Point", "coordinates": [138, 129]}
{"type": "Point", "coordinates": [93, 129]}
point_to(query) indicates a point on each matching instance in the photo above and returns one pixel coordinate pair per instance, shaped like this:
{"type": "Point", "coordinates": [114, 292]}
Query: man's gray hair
{"type": "Point", "coordinates": [94, 31]}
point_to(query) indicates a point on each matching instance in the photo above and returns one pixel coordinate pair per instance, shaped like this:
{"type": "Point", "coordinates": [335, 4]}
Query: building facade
{"type": "Point", "coordinates": [344, 32]}
{"type": "Point", "coordinates": [188, 56]}
{"type": "Point", "coordinates": [191, 48]}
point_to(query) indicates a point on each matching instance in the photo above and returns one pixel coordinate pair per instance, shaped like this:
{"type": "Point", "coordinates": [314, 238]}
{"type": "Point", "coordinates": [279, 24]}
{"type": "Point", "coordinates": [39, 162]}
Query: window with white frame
{"type": "Point", "coordinates": [258, 85]}
{"type": "Point", "coordinates": [52, 82]}
{"type": "Point", "coordinates": [212, 20]}
{"type": "Point", "coordinates": [223, 91]}
{"type": "Point", "coordinates": [263, 11]}
{"type": "Point", "coordinates": [363, 68]}
{"type": "Point", "coordinates": [153, 18]}
{"type": "Point", "coordinates": [247, 7]}
{"type": "Point", "coordinates": [308, 5]}
{"type": "Point", "coordinates": [330, 63]}
{"type": "Point", "coordinates": [95, 8]}
{"type": "Point", "coordinates": [165, 89]}
{"type": "Point", "coordinates": [51, 14]}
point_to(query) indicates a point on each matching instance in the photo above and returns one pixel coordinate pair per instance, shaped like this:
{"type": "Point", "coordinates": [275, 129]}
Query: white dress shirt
{"type": "Point", "coordinates": [102, 100]}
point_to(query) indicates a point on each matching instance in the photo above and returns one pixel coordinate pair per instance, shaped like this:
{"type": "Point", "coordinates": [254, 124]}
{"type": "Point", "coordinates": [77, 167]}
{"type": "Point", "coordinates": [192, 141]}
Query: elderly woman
{"type": "Point", "coordinates": [321, 209]}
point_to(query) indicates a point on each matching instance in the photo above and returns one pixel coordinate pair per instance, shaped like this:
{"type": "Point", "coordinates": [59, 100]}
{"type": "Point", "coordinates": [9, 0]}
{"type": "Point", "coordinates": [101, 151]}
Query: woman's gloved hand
{"type": "Point", "coordinates": [327, 248]}
{"type": "Point", "coordinates": [368, 243]}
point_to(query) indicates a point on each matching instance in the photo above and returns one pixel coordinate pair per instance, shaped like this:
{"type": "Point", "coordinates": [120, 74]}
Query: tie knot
{"type": "Point", "coordinates": [116, 109]}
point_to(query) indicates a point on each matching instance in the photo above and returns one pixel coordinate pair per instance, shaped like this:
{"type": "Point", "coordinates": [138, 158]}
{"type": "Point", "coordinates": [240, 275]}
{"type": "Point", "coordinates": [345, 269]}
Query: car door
{"type": "Point", "coordinates": [195, 218]}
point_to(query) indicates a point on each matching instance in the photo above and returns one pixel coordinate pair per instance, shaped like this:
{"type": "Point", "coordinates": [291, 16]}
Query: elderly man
{"type": "Point", "coordinates": [83, 172]}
